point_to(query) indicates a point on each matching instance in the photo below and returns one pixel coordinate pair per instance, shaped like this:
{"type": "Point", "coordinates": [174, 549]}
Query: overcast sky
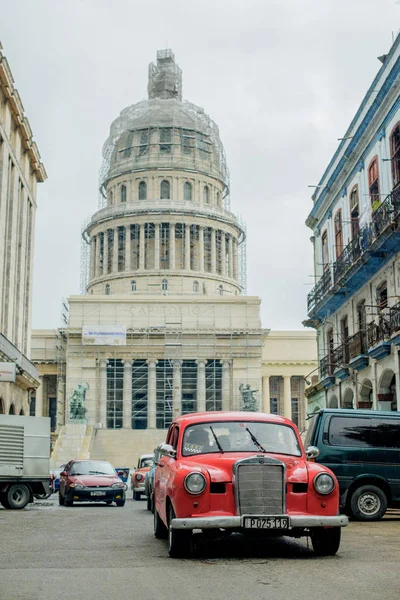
{"type": "Point", "coordinates": [282, 79]}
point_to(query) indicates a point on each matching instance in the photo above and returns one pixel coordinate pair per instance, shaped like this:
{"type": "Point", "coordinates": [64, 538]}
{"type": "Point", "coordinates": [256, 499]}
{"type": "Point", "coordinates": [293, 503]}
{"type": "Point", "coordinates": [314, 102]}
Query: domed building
{"type": "Point", "coordinates": [162, 327]}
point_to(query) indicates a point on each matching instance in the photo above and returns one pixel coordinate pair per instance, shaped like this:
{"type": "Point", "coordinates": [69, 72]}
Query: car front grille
{"type": "Point", "coordinates": [260, 486]}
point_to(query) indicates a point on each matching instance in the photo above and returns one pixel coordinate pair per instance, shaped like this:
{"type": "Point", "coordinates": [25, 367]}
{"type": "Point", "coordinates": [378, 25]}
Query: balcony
{"type": "Point", "coordinates": [358, 355]}
{"type": "Point", "coordinates": [378, 338]}
{"type": "Point", "coordinates": [394, 320]}
{"type": "Point", "coordinates": [341, 361]}
{"type": "Point", "coordinates": [373, 246]}
{"type": "Point", "coordinates": [326, 366]}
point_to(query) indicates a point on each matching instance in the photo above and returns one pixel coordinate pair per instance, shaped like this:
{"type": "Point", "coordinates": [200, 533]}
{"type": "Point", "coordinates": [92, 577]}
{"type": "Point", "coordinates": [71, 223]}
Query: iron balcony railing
{"type": "Point", "coordinates": [341, 355]}
{"type": "Point", "coordinates": [395, 318]}
{"type": "Point", "coordinates": [326, 366]}
{"type": "Point", "coordinates": [357, 344]}
{"type": "Point", "coordinates": [377, 332]}
{"type": "Point", "coordinates": [383, 216]}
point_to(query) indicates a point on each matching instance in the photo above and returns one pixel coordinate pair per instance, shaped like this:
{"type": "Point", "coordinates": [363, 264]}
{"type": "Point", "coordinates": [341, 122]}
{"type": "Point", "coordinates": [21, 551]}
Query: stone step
{"type": "Point", "coordinates": [122, 447]}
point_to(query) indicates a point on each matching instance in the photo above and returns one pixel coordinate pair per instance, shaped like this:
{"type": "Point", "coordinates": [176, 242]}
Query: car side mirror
{"type": "Point", "coordinates": [166, 450]}
{"type": "Point", "coordinates": [312, 452]}
{"type": "Point", "coordinates": [63, 474]}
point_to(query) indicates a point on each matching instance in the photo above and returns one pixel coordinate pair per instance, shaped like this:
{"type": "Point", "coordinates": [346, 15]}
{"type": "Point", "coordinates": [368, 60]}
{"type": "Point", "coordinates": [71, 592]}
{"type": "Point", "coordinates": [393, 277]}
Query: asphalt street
{"type": "Point", "coordinates": [97, 552]}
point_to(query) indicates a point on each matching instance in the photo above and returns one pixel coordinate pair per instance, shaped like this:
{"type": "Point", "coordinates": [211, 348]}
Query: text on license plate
{"type": "Point", "coordinates": [266, 522]}
{"type": "Point", "coordinates": [97, 493]}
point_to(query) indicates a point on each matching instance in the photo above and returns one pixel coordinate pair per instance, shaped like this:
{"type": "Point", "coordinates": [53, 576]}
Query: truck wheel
{"type": "Point", "coordinates": [179, 545]}
{"type": "Point", "coordinates": [160, 531]}
{"type": "Point", "coordinates": [368, 503]}
{"type": "Point", "coordinates": [18, 495]}
{"type": "Point", "coordinates": [326, 542]}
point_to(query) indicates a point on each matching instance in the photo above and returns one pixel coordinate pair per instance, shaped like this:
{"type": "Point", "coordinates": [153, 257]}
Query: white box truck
{"type": "Point", "coordinates": [24, 459]}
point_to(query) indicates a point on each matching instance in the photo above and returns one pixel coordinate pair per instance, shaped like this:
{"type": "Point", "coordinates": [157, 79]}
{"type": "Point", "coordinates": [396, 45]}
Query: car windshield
{"type": "Point", "coordinates": [92, 467]}
{"type": "Point", "coordinates": [240, 436]}
{"type": "Point", "coordinates": [146, 462]}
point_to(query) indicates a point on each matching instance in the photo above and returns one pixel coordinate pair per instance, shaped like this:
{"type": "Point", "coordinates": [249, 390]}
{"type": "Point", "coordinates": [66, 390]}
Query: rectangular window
{"type": "Point", "coordinates": [139, 394]}
{"type": "Point", "coordinates": [338, 233]}
{"type": "Point", "coordinates": [189, 386]}
{"type": "Point", "coordinates": [144, 141]}
{"type": "Point", "coordinates": [187, 141]}
{"type": "Point", "coordinates": [395, 155]}
{"type": "Point", "coordinates": [165, 140]}
{"type": "Point", "coordinates": [213, 385]}
{"type": "Point", "coordinates": [373, 182]}
{"type": "Point", "coordinates": [325, 251]}
{"type": "Point", "coordinates": [364, 432]}
{"type": "Point", "coordinates": [354, 213]}
{"type": "Point", "coordinates": [382, 296]}
{"type": "Point", "coordinates": [115, 390]}
{"type": "Point", "coordinates": [164, 393]}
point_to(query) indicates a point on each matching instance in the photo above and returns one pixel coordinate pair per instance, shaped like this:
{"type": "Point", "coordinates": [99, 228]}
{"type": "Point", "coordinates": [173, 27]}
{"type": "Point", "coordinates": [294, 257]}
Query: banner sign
{"type": "Point", "coordinates": [8, 372]}
{"type": "Point", "coordinates": [104, 335]}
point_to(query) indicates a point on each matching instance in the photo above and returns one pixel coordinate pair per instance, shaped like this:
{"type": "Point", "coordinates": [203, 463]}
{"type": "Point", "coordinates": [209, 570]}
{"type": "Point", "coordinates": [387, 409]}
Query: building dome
{"type": "Point", "coordinates": [164, 224]}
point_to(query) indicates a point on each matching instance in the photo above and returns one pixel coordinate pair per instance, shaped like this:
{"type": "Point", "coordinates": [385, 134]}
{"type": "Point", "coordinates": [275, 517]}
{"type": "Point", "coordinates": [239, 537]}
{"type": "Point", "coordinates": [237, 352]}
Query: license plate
{"type": "Point", "coordinates": [97, 493]}
{"type": "Point", "coordinates": [266, 523]}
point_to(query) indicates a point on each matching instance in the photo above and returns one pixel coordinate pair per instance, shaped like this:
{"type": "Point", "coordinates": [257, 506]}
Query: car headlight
{"type": "Point", "coordinates": [77, 486]}
{"type": "Point", "coordinates": [138, 477]}
{"type": "Point", "coordinates": [324, 483]}
{"type": "Point", "coordinates": [118, 485]}
{"type": "Point", "coordinates": [195, 483]}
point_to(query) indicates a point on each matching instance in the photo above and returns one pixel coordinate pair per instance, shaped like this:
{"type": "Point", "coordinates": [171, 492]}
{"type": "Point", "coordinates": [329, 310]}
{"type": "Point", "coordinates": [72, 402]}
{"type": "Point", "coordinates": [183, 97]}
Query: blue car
{"type": "Point", "coordinates": [55, 478]}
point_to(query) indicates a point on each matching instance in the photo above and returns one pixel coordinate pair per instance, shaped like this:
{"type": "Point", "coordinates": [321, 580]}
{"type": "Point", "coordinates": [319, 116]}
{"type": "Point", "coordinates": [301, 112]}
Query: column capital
{"type": "Point", "coordinates": [225, 362]}
{"type": "Point", "coordinates": [103, 363]}
{"type": "Point", "coordinates": [152, 361]}
{"type": "Point", "coordinates": [127, 363]}
{"type": "Point", "coordinates": [177, 362]}
{"type": "Point", "coordinates": [200, 362]}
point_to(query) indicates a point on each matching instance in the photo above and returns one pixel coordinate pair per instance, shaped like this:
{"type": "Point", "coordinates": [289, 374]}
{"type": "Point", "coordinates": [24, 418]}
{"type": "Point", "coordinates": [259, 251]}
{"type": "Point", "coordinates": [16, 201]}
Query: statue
{"type": "Point", "coordinates": [250, 403]}
{"type": "Point", "coordinates": [77, 408]}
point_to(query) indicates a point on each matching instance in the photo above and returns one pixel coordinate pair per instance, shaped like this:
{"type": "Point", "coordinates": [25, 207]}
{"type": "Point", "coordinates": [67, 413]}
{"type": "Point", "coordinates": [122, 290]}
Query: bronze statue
{"type": "Point", "coordinates": [77, 408]}
{"type": "Point", "coordinates": [250, 403]}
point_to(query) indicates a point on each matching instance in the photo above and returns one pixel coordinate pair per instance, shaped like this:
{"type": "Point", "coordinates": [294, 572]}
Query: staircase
{"type": "Point", "coordinates": [122, 447]}
{"type": "Point", "coordinates": [74, 441]}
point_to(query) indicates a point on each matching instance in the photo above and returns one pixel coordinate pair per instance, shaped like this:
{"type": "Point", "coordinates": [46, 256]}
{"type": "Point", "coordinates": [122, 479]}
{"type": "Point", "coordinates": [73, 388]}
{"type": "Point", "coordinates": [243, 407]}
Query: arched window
{"type": "Point", "coordinates": [395, 154]}
{"type": "Point", "coordinates": [220, 290]}
{"type": "Point", "coordinates": [338, 233]}
{"type": "Point", "coordinates": [142, 190]}
{"type": "Point", "coordinates": [133, 285]}
{"type": "Point", "coordinates": [108, 289]}
{"type": "Point", "coordinates": [187, 191]}
{"type": "Point", "coordinates": [195, 286]}
{"type": "Point", "coordinates": [354, 212]}
{"type": "Point", "coordinates": [1, 406]}
{"type": "Point", "coordinates": [21, 412]}
{"type": "Point", "coordinates": [206, 194]}
{"type": "Point", "coordinates": [325, 250]}
{"type": "Point", "coordinates": [123, 193]}
{"type": "Point", "coordinates": [373, 183]}
{"type": "Point", "coordinates": [12, 410]}
{"type": "Point", "coordinates": [165, 190]}
{"type": "Point", "coordinates": [164, 285]}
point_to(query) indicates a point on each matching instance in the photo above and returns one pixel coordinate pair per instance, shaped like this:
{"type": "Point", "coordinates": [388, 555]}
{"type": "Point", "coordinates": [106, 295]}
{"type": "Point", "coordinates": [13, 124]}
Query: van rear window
{"type": "Point", "coordinates": [364, 432]}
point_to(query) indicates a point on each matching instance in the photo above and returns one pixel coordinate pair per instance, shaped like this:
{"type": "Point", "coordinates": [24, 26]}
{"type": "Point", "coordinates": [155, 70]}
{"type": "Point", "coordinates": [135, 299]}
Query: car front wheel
{"type": "Point", "coordinates": [326, 542]}
{"type": "Point", "coordinates": [120, 502]}
{"type": "Point", "coordinates": [368, 503]}
{"type": "Point", "coordinates": [179, 542]}
{"type": "Point", "coordinates": [160, 531]}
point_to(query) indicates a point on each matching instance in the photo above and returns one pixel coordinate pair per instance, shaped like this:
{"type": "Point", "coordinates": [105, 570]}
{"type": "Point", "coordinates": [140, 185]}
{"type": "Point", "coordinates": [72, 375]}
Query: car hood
{"type": "Point", "coordinates": [220, 466]}
{"type": "Point", "coordinates": [95, 480]}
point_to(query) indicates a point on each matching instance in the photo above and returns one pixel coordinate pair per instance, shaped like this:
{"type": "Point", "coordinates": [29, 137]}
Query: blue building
{"type": "Point", "coordinates": [355, 219]}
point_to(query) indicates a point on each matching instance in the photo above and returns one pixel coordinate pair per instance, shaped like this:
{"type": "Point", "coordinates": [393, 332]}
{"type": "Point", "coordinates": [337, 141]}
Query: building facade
{"type": "Point", "coordinates": [355, 304]}
{"type": "Point", "coordinates": [20, 171]}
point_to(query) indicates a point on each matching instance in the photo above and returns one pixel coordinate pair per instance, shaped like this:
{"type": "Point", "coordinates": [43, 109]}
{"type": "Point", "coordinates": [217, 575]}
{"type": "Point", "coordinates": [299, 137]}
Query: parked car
{"type": "Point", "coordinates": [246, 472]}
{"type": "Point", "coordinates": [149, 482]}
{"type": "Point", "coordinates": [362, 448]}
{"type": "Point", "coordinates": [90, 481]}
{"type": "Point", "coordinates": [145, 463]}
{"type": "Point", "coordinates": [55, 478]}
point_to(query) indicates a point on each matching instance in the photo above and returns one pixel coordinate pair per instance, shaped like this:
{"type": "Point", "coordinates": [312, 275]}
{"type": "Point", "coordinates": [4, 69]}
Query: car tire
{"type": "Point", "coordinates": [137, 495]}
{"type": "Point", "coordinates": [160, 531]}
{"type": "Point", "coordinates": [368, 503]}
{"type": "Point", "coordinates": [179, 542]}
{"type": "Point", "coordinates": [109, 502]}
{"type": "Point", "coordinates": [326, 542]}
{"type": "Point", "coordinates": [120, 502]}
{"type": "Point", "coordinates": [148, 503]}
{"type": "Point", "coordinates": [18, 496]}
{"type": "Point", "coordinates": [68, 502]}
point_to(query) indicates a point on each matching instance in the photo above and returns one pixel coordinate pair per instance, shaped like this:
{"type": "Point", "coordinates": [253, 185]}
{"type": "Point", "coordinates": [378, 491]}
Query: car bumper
{"type": "Point", "coordinates": [98, 495]}
{"type": "Point", "coordinates": [139, 489]}
{"type": "Point", "coordinates": [235, 522]}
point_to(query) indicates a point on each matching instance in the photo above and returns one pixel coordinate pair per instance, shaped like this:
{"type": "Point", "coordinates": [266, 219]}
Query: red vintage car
{"type": "Point", "coordinates": [244, 472]}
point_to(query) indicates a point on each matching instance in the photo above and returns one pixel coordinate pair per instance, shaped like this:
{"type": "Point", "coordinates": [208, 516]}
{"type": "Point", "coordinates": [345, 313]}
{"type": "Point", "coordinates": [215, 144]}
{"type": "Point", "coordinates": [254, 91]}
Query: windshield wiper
{"type": "Point", "coordinates": [97, 473]}
{"type": "Point", "coordinates": [216, 440]}
{"type": "Point", "coordinates": [255, 440]}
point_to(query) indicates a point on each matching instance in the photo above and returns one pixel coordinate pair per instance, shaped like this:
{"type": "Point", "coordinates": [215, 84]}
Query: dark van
{"type": "Point", "coordinates": [362, 448]}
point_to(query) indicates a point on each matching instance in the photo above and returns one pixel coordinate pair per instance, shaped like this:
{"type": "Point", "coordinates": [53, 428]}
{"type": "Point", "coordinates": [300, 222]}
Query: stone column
{"type": "Point", "coordinates": [127, 395]}
{"type": "Point", "coordinates": [177, 389]}
{"type": "Point", "coordinates": [115, 252]}
{"type": "Point", "coordinates": [156, 246]}
{"type": "Point", "coordinates": [287, 397]}
{"type": "Point", "coordinates": [201, 248]}
{"type": "Point", "coordinates": [103, 393]}
{"type": "Point", "coordinates": [235, 259]}
{"type": "Point", "coordinates": [266, 395]}
{"type": "Point", "coordinates": [105, 253]}
{"type": "Point", "coordinates": [92, 256]}
{"type": "Point", "coordinates": [223, 254]}
{"type": "Point", "coordinates": [128, 248]}
{"type": "Point", "coordinates": [230, 256]}
{"type": "Point", "coordinates": [201, 385]}
{"type": "Point", "coordinates": [141, 247]}
{"type": "Point", "coordinates": [187, 247]}
{"type": "Point", "coordinates": [213, 252]}
{"type": "Point", "coordinates": [172, 246]}
{"type": "Point", "coordinates": [226, 395]}
{"type": "Point", "coordinates": [152, 394]}
{"type": "Point", "coordinates": [39, 398]}
{"type": "Point", "coordinates": [97, 264]}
